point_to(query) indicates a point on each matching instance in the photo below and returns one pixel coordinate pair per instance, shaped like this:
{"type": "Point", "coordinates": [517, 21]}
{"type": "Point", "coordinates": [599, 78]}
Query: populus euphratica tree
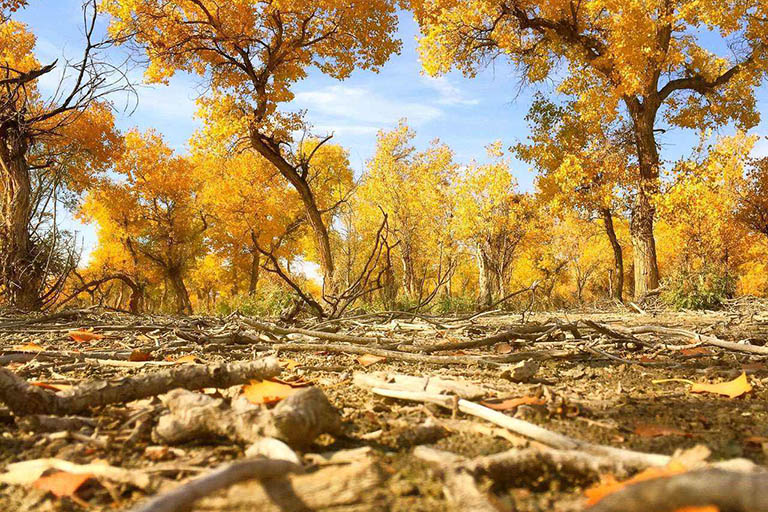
{"type": "Point", "coordinates": [251, 52]}
{"type": "Point", "coordinates": [645, 59]}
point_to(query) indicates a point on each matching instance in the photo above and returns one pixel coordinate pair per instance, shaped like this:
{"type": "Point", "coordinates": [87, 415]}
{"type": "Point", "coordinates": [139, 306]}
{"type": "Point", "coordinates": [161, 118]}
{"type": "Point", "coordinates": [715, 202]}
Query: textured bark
{"type": "Point", "coordinates": [485, 279]}
{"type": "Point", "coordinates": [255, 270]}
{"type": "Point", "coordinates": [728, 491]}
{"type": "Point", "coordinates": [618, 257]}
{"type": "Point", "coordinates": [333, 488]}
{"type": "Point", "coordinates": [23, 398]}
{"type": "Point", "coordinates": [297, 420]}
{"type": "Point", "coordinates": [183, 304]}
{"type": "Point", "coordinates": [643, 212]}
{"type": "Point", "coordinates": [20, 275]}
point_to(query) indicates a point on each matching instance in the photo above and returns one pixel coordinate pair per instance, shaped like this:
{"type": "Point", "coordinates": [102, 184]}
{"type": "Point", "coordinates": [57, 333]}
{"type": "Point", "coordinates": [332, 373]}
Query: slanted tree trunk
{"type": "Point", "coordinates": [643, 211]}
{"type": "Point", "coordinates": [21, 276]}
{"type": "Point", "coordinates": [617, 284]}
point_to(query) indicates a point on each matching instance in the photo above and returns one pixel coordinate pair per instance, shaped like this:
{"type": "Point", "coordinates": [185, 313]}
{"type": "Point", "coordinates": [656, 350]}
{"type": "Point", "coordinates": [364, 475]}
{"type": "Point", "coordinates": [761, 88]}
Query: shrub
{"type": "Point", "coordinates": [268, 300]}
{"type": "Point", "coordinates": [707, 288]}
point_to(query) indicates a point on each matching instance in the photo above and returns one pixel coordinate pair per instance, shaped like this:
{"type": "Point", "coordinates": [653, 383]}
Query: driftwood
{"type": "Point", "coordinates": [297, 420]}
{"type": "Point", "coordinates": [729, 491]}
{"type": "Point", "coordinates": [337, 487]}
{"type": "Point", "coordinates": [184, 496]}
{"type": "Point", "coordinates": [23, 398]}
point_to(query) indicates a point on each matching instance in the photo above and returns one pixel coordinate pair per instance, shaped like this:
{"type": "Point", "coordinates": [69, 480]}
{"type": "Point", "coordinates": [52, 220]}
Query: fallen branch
{"type": "Point", "coordinates": [184, 496]}
{"type": "Point", "coordinates": [297, 420]}
{"type": "Point", "coordinates": [23, 398]}
{"type": "Point", "coordinates": [726, 490]}
{"type": "Point", "coordinates": [702, 338]}
{"type": "Point", "coordinates": [331, 336]}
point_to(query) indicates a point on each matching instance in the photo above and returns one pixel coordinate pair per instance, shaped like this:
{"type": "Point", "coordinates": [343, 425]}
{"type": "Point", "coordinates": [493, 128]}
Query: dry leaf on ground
{"type": "Point", "coordinates": [369, 359]}
{"type": "Point", "coordinates": [513, 403]}
{"type": "Point", "coordinates": [648, 430]}
{"type": "Point", "coordinates": [84, 336]}
{"type": "Point", "coordinates": [732, 389]}
{"type": "Point", "coordinates": [267, 391]}
{"type": "Point", "coordinates": [29, 347]}
{"type": "Point", "coordinates": [61, 483]}
{"type": "Point", "coordinates": [139, 356]}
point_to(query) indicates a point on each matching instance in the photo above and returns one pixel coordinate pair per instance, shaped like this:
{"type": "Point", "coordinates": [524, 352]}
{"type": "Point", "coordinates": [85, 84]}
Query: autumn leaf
{"type": "Point", "coordinates": [61, 483]}
{"type": "Point", "coordinates": [370, 359]}
{"type": "Point", "coordinates": [29, 347]}
{"type": "Point", "coordinates": [267, 391]}
{"type": "Point", "coordinates": [513, 403]}
{"type": "Point", "coordinates": [84, 336]}
{"type": "Point", "coordinates": [732, 389]}
{"type": "Point", "coordinates": [139, 356]}
{"type": "Point", "coordinates": [289, 364]}
{"type": "Point", "coordinates": [697, 351]}
{"type": "Point", "coordinates": [503, 348]}
{"type": "Point", "coordinates": [648, 430]}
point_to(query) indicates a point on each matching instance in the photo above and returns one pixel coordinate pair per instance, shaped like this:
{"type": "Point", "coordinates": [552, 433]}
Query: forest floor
{"type": "Point", "coordinates": [590, 376]}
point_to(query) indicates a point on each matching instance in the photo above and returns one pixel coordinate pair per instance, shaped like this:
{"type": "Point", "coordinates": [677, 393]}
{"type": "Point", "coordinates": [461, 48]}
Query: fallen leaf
{"type": "Point", "coordinates": [503, 348]}
{"type": "Point", "coordinates": [84, 336]}
{"type": "Point", "coordinates": [29, 347]}
{"type": "Point", "coordinates": [732, 389]}
{"type": "Point", "coordinates": [52, 387]}
{"type": "Point", "coordinates": [697, 351]}
{"type": "Point", "coordinates": [29, 471]}
{"type": "Point", "coordinates": [648, 430]}
{"type": "Point", "coordinates": [61, 483]}
{"type": "Point", "coordinates": [267, 391]}
{"type": "Point", "coordinates": [369, 359]}
{"type": "Point", "coordinates": [289, 364]}
{"type": "Point", "coordinates": [513, 403]}
{"type": "Point", "coordinates": [139, 356]}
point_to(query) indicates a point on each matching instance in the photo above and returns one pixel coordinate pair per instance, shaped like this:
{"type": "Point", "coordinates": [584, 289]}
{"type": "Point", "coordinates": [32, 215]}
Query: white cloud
{"type": "Point", "coordinates": [449, 93]}
{"type": "Point", "coordinates": [359, 111]}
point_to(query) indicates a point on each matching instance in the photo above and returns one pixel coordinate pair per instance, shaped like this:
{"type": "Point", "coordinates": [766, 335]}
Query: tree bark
{"type": "Point", "coordinates": [21, 276]}
{"type": "Point", "coordinates": [255, 268]}
{"type": "Point", "coordinates": [643, 211]}
{"type": "Point", "coordinates": [486, 278]}
{"type": "Point", "coordinates": [618, 257]}
{"type": "Point", "coordinates": [183, 304]}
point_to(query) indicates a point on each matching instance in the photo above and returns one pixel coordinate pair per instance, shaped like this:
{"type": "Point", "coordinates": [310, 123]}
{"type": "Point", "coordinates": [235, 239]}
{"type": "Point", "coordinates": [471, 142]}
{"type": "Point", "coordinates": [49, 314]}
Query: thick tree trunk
{"type": "Point", "coordinates": [255, 268]}
{"type": "Point", "coordinates": [486, 279]}
{"type": "Point", "coordinates": [21, 276]}
{"type": "Point", "coordinates": [183, 304]}
{"type": "Point", "coordinates": [643, 211]}
{"type": "Point", "coordinates": [617, 286]}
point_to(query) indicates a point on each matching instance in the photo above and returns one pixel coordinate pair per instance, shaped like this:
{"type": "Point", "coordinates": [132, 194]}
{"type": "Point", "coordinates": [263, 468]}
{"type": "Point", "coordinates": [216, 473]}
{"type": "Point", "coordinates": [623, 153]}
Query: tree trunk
{"type": "Point", "coordinates": [183, 304]}
{"type": "Point", "coordinates": [617, 285]}
{"type": "Point", "coordinates": [255, 267]}
{"type": "Point", "coordinates": [409, 273]}
{"type": "Point", "coordinates": [21, 276]}
{"type": "Point", "coordinates": [643, 211]}
{"type": "Point", "coordinates": [315, 218]}
{"type": "Point", "coordinates": [486, 278]}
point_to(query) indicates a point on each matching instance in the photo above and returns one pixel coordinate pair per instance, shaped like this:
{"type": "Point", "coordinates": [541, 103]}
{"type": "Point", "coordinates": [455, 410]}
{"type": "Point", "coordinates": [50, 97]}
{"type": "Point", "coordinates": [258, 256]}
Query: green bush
{"type": "Point", "coordinates": [269, 300]}
{"type": "Point", "coordinates": [707, 288]}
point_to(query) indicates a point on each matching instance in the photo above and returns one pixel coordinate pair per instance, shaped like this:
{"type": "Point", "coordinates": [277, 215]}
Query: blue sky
{"type": "Point", "coordinates": [467, 114]}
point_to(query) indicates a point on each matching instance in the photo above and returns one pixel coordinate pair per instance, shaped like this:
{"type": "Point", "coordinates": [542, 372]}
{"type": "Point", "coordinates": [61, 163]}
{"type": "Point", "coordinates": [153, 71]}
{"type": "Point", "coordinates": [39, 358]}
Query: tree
{"type": "Point", "coordinates": [636, 60]}
{"type": "Point", "coordinates": [48, 147]}
{"type": "Point", "coordinates": [492, 217]}
{"type": "Point", "coordinates": [251, 52]}
{"type": "Point", "coordinates": [582, 166]}
{"type": "Point", "coordinates": [412, 188]}
{"type": "Point", "coordinates": [151, 206]}
{"type": "Point", "coordinates": [753, 197]}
